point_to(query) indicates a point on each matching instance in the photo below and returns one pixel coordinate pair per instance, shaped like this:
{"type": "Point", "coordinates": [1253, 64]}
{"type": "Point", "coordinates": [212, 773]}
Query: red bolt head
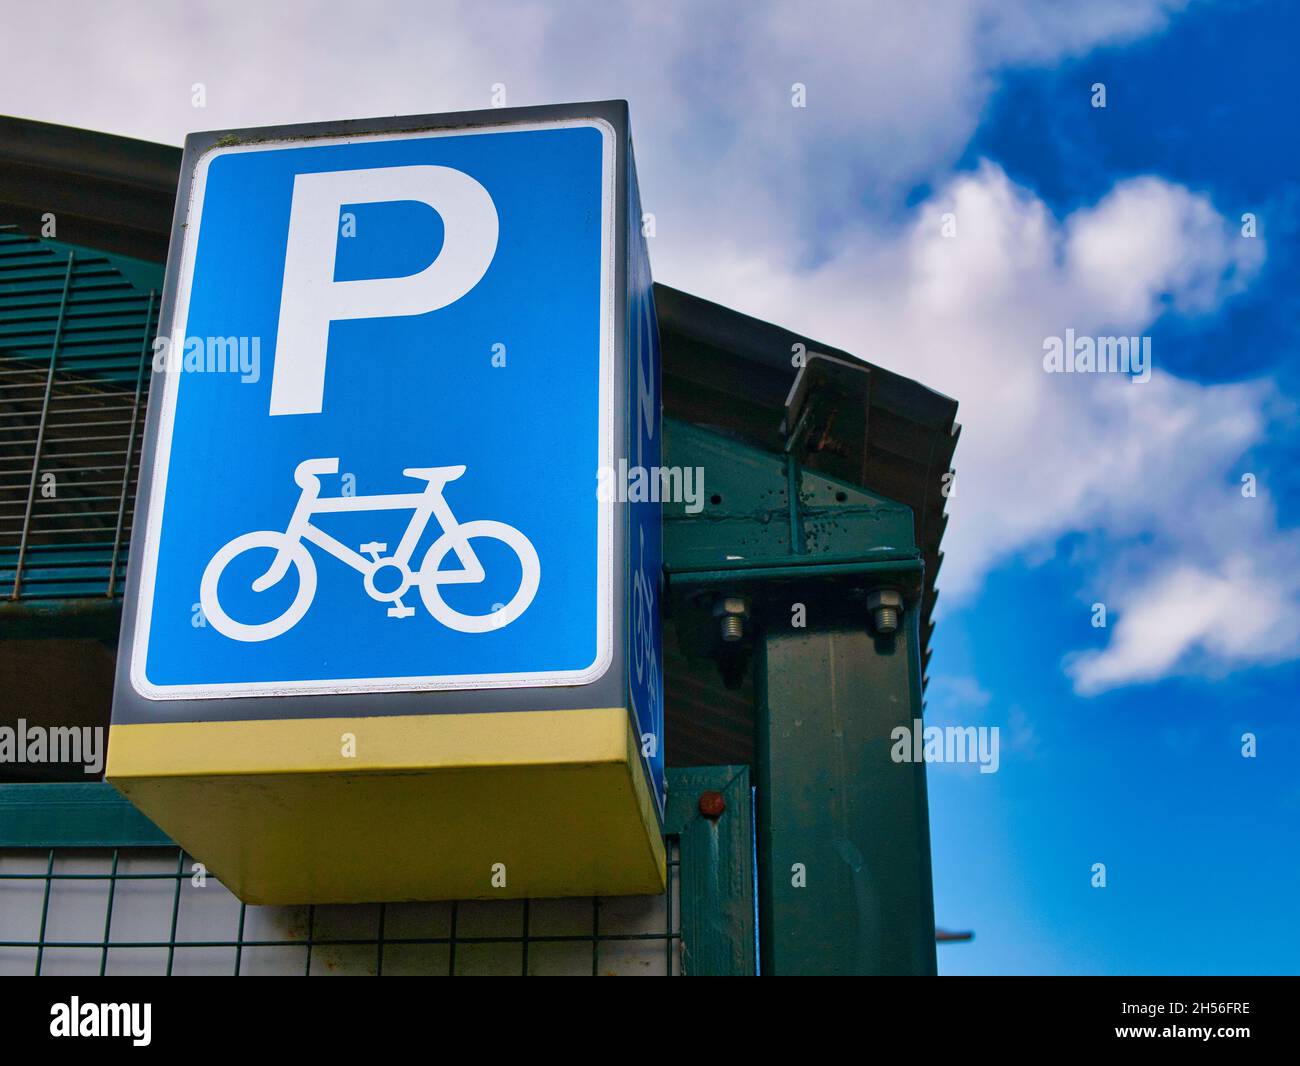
{"type": "Point", "coordinates": [712, 804]}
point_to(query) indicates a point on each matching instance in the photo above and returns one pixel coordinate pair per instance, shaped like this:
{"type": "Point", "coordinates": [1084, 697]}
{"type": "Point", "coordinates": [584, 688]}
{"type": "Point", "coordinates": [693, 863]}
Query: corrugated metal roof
{"type": "Point", "coordinates": [111, 193]}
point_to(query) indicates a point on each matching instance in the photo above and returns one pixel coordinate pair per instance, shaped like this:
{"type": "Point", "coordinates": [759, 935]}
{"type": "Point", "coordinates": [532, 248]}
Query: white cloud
{"type": "Point", "coordinates": [793, 215]}
{"type": "Point", "coordinates": [1130, 251]}
{"type": "Point", "coordinates": [957, 692]}
{"type": "Point", "coordinates": [894, 89]}
{"type": "Point", "coordinates": [1207, 619]}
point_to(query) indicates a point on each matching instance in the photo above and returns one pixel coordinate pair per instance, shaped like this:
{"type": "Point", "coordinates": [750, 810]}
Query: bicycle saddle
{"type": "Point", "coordinates": [434, 473]}
{"type": "Point", "coordinates": [311, 469]}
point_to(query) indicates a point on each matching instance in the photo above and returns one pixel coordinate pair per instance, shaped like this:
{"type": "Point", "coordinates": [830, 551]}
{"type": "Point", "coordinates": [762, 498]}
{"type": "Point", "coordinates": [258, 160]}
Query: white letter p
{"type": "Point", "coordinates": [311, 299]}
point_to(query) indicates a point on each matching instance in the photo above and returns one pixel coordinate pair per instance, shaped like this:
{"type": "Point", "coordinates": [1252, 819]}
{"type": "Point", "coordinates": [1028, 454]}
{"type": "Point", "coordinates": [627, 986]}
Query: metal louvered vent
{"type": "Point", "coordinates": [74, 377]}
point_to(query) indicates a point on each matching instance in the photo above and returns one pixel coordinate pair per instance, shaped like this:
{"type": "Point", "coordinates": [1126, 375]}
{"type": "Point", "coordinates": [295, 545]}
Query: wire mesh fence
{"type": "Point", "coordinates": [137, 911]}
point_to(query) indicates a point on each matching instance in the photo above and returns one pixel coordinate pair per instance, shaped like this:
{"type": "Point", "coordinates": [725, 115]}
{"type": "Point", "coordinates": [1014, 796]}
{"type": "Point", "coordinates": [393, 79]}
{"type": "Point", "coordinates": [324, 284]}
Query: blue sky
{"type": "Point", "coordinates": [1200, 844]}
{"type": "Point", "coordinates": [1119, 745]}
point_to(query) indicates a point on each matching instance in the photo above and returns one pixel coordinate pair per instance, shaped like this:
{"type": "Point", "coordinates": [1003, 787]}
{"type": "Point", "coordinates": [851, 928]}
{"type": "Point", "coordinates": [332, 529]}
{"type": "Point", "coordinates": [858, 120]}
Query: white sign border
{"type": "Point", "coordinates": [162, 448]}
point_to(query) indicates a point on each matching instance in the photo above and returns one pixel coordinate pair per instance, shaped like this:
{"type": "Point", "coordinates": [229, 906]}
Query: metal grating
{"type": "Point", "coordinates": [85, 911]}
{"type": "Point", "coordinates": [74, 378]}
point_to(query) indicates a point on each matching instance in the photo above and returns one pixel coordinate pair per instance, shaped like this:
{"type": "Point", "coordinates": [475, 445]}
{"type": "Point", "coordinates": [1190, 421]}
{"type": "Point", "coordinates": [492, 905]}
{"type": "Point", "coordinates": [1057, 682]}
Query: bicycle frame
{"type": "Point", "coordinates": [427, 504]}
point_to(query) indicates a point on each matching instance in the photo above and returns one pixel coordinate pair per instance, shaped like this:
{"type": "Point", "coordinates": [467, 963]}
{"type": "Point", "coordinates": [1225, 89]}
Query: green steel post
{"type": "Point", "coordinates": [843, 830]}
{"type": "Point", "coordinates": [709, 811]}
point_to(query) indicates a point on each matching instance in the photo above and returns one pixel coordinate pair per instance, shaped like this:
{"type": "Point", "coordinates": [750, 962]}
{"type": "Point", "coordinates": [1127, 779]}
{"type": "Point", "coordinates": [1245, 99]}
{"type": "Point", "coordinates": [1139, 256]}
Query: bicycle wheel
{"type": "Point", "coordinates": [216, 614]}
{"type": "Point", "coordinates": [480, 623]}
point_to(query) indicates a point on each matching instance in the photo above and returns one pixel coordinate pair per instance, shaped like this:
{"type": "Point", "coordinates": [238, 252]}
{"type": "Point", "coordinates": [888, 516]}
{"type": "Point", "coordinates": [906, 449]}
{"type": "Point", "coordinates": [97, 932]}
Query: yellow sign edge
{"type": "Point", "coordinates": [371, 744]}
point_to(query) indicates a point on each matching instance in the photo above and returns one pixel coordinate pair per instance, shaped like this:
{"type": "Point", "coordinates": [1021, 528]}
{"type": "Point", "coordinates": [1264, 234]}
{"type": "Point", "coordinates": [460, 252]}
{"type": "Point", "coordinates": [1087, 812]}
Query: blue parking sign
{"type": "Point", "coordinates": [395, 359]}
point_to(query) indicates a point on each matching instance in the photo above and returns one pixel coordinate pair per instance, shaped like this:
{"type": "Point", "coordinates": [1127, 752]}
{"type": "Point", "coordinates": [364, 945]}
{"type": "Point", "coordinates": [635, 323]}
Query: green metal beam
{"type": "Point", "coordinates": [84, 618]}
{"type": "Point", "coordinates": [92, 814]}
{"type": "Point", "coordinates": [843, 831]}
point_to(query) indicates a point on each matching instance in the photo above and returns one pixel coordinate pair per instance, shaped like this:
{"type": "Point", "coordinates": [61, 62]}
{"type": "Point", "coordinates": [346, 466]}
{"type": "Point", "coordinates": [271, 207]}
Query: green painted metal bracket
{"type": "Point", "coordinates": [779, 536]}
{"type": "Point", "coordinates": [79, 815]}
{"type": "Point", "coordinates": [757, 509]}
{"type": "Point", "coordinates": [717, 879]}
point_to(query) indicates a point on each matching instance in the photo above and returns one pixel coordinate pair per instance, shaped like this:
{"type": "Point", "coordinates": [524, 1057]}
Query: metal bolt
{"type": "Point", "coordinates": [712, 804]}
{"type": "Point", "coordinates": [886, 607]}
{"type": "Point", "coordinates": [731, 611]}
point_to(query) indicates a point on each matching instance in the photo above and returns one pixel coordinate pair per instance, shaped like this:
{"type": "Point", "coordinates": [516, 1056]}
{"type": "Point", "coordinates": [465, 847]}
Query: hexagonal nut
{"type": "Point", "coordinates": [731, 605]}
{"type": "Point", "coordinates": [884, 598]}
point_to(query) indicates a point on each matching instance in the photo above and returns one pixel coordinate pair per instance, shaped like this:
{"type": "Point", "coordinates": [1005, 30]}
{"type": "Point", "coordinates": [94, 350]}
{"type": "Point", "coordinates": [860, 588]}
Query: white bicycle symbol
{"type": "Point", "coordinates": [456, 537]}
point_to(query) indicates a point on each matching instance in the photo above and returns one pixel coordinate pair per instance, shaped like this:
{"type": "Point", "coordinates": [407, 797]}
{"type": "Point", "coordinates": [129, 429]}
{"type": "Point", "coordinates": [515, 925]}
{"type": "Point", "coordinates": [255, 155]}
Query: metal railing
{"type": "Point", "coordinates": [75, 353]}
